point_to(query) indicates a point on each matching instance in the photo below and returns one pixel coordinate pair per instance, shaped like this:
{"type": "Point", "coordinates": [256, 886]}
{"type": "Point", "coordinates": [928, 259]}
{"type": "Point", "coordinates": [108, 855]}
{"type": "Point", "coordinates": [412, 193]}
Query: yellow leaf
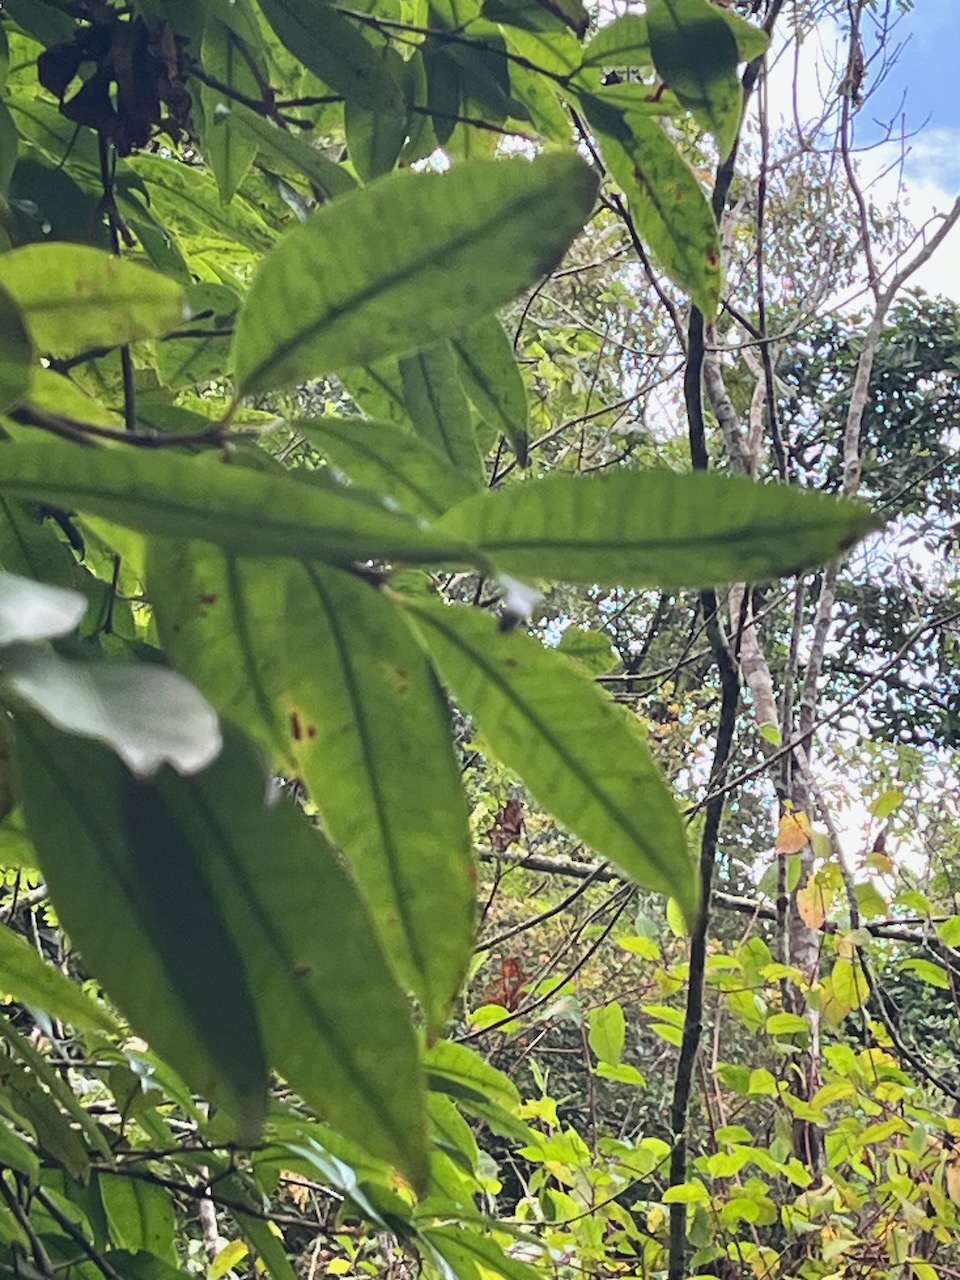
{"type": "Point", "coordinates": [951, 1176]}
{"type": "Point", "coordinates": [813, 904]}
{"type": "Point", "coordinates": [227, 1259]}
{"type": "Point", "coordinates": [794, 832]}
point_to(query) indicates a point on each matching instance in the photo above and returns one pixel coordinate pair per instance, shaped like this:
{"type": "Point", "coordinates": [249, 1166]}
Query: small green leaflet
{"type": "Point", "coordinates": [409, 259]}
{"type": "Point", "coordinates": [608, 1032]}
{"type": "Point", "coordinates": [696, 53]}
{"type": "Point", "coordinates": [581, 755]}
{"type": "Point", "coordinates": [644, 528]}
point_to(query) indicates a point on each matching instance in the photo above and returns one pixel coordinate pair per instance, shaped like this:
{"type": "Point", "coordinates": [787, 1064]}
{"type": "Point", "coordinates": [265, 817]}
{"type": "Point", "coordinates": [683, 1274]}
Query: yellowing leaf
{"type": "Point", "coordinates": [227, 1259]}
{"type": "Point", "coordinates": [794, 832]}
{"type": "Point", "coordinates": [813, 903]}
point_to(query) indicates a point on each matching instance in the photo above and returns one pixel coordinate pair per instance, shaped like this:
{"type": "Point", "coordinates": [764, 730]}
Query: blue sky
{"type": "Point", "coordinates": [924, 83]}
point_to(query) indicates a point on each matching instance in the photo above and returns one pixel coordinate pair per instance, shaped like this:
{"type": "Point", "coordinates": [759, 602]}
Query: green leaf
{"type": "Point", "coordinates": [642, 528]}
{"type": "Point", "coordinates": [240, 509]}
{"type": "Point", "coordinates": [26, 1102]}
{"type": "Point", "coordinates": [188, 198]}
{"type": "Point", "coordinates": [377, 390]}
{"type": "Point", "coordinates": [374, 135]}
{"type": "Point", "coordinates": [334, 49]}
{"type": "Point", "coordinates": [479, 1089]}
{"type": "Point", "coordinates": [696, 53]}
{"type": "Point", "coordinates": [491, 378]}
{"type": "Point", "coordinates": [581, 755]}
{"type": "Point", "coordinates": [191, 361]}
{"type": "Point", "coordinates": [15, 1154]}
{"type": "Point", "coordinates": [438, 408]}
{"type": "Point", "coordinates": [752, 42]}
{"type": "Point", "coordinates": [127, 882]}
{"type": "Point", "coordinates": [35, 610]}
{"type": "Point", "coordinates": [140, 1215]}
{"type": "Point", "coordinates": [412, 258]}
{"type": "Point", "coordinates": [625, 42]}
{"type": "Point", "coordinates": [472, 1256]}
{"type": "Point", "coordinates": [786, 1024]}
{"type": "Point", "coordinates": [592, 648]}
{"type": "Point", "coordinates": [147, 714]}
{"type": "Point", "coordinates": [228, 151]}
{"type": "Point", "coordinates": [324, 670]}
{"type": "Point", "coordinates": [665, 199]}
{"type": "Point", "coordinates": [887, 803]}
{"type": "Point", "coordinates": [292, 152]}
{"type": "Point", "coordinates": [17, 354]}
{"type": "Point", "coordinates": [75, 298]}
{"type": "Point", "coordinates": [27, 977]}
{"type": "Point", "coordinates": [388, 460]}
{"type": "Point", "coordinates": [608, 1032]}
{"type": "Point", "coordinates": [927, 971]}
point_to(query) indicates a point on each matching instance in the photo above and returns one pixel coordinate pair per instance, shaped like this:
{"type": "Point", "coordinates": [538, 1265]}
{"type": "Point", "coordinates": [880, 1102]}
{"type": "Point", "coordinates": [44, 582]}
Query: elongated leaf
{"type": "Point", "coordinates": [665, 198]}
{"type": "Point", "coordinates": [696, 53]}
{"type": "Point", "coordinates": [491, 378]}
{"type": "Point", "coordinates": [752, 41]}
{"type": "Point", "coordinates": [319, 666]}
{"type": "Point", "coordinates": [147, 714]}
{"type": "Point", "coordinates": [439, 409]}
{"type": "Point", "coordinates": [188, 199]}
{"type": "Point", "coordinates": [228, 151]}
{"type": "Point", "coordinates": [382, 457]}
{"type": "Point", "coordinates": [581, 756]}
{"type": "Point", "coordinates": [240, 509]}
{"type": "Point", "coordinates": [26, 976]}
{"type": "Point", "coordinates": [127, 884]}
{"type": "Point", "coordinates": [472, 1256]}
{"type": "Point", "coordinates": [334, 49]}
{"type": "Point", "coordinates": [412, 258]}
{"type": "Point", "coordinates": [656, 527]}
{"type": "Point", "coordinates": [292, 152]}
{"type": "Point", "coordinates": [75, 298]}
{"type": "Point", "coordinates": [375, 136]}
{"type": "Point", "coordinates": [333, 1020]}
{"type": "Point", "coordinates": [15, 1154]}
{"type": "Point", "coordinates": [36, 611]}
{"type": "Point", "coordinates": [17, 355]}
{"type": "Point", "coordinates": [24, 1100]}
{"type": "Point", "coordinates": [141, 1216]}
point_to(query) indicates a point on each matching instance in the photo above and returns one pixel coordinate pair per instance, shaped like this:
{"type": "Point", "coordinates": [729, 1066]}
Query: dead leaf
{"type": "Point", "coordinates": [794, 833]}
{"type": "Point", "coordinates": [507, 826]}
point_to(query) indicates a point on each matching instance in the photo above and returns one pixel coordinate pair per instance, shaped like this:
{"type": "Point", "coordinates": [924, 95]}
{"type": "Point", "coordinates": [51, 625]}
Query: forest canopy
{"type": "Point", "coordinates": [477, 632]}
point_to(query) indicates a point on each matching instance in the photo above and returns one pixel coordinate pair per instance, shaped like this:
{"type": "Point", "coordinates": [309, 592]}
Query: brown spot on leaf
{"type": "Point", "coordinates": [210, 597]}
{"type": "Point", "coordinates": [311, 730]}
{"type": "Point", "coordinates": [509, 662]}
{"type": "Point", "coordinates": [296, 728]}
{"type": "Point", "coordinates": [302, 971]}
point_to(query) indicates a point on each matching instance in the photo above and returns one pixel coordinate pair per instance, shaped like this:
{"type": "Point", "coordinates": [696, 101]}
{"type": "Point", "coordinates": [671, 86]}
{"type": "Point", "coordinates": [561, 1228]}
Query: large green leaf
{"type": "Point", "coordinates": [388, 460]}
{"type": "Point", "coordinates": [17, 354]}
{"type": "Point", "coordinates": [211, 946]}
{"type": "Point", "coordinates": [656, 527]}
{"type": "Point", "coordinates": [241, 509]}
{"type": "Point", "coordinates": [334, 49]}
{"type": "Point", "coordinates": [491, 378]}
{"type": "Point", "coordinates": [75, 298]}
{"type": "Point", "coordinates": [665, 198]}
{"type": "Point", "coordinates": [439, 409]}
{"type": "Point", "coordinates": [188, 199]}
{"type": "Point", "coordinates": [27, 977]}
{"type": "Point", "coordinates": [696, 53]}
{"type": "Point", "coordinates": [580, 754]}
{"type": "Point", "coordinates": [320, 667]}
{"type": "Point", "coordinates": [412, 258]}
{"type": "Point", "coordinates": [127, 883]}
